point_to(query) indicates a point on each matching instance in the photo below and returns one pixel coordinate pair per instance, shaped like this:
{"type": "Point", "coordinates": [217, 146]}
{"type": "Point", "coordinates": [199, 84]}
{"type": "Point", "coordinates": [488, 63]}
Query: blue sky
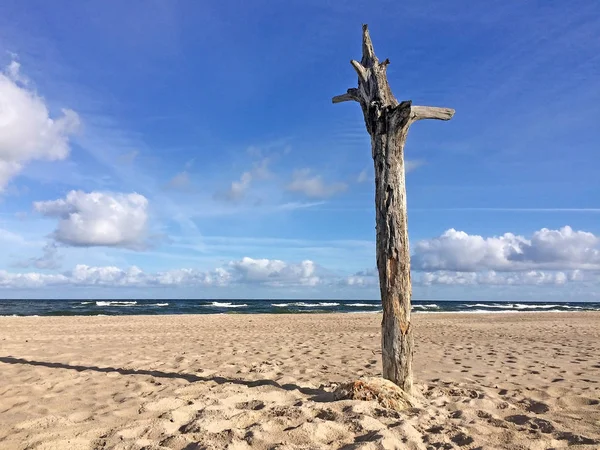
{"type": "Point", "coordinates": [190, 149]}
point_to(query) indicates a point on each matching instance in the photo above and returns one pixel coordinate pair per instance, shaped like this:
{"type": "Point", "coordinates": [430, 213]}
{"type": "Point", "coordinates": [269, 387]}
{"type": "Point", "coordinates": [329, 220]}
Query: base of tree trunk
{"type": "Point", "coordinates": [386, 393]}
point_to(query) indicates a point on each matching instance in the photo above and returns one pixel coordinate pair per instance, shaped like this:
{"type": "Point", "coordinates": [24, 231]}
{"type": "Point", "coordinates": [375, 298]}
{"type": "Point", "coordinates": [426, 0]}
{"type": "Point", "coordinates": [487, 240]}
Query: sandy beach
{"type": "Point", "coordinates": [489, 381]}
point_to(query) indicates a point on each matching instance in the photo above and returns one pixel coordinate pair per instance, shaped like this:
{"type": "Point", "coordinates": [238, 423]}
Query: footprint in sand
{"type": "Point", "coordinates": [534, 406]}
{"type": "Point", "coordinates": [254, 405]}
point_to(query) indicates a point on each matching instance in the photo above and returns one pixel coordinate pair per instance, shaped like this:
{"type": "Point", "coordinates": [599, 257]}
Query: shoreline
{"type": "Point", "coordinates": [306, 313]}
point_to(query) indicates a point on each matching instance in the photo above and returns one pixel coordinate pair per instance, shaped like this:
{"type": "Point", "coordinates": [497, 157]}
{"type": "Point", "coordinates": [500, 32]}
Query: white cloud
{"type": "Point", "coordinates": [275, 272]}
{"type": "Point", "coordinates": [106, 276]}
{"type": "Point", "coordinates": [27, 132]}
{"type": "Point", "coordinates": [459, 251]}
{"type": "Point", "coordinates": [313, 185]}
{"type": "Point", "coordinates": [30, 280]}
{"type": "Point", "coordinates": [239, 188]}
{"type": "Point", "coordinates": [266, 272]}
{"type": "Point", "coordinates": [98, 219]}
{"type": "Point", "coordinates": [563, 249]}
{"type": "Point", "coordinates": [532, 277]}
{"type": "Point", "coordinates": [363, 278]}
{"type": "Point", "coordinates": [110, 276]}
{"type": "Point", "coordinates": [192, 277]}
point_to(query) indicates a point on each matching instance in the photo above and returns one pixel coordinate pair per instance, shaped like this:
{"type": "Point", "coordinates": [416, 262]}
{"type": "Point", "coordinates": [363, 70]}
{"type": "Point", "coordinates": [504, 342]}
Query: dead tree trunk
{"type": "Point", "coordinates": [387, 122]}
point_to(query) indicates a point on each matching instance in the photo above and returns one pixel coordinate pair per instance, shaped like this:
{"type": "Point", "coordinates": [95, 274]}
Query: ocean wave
{"type": "Point", "coordinates": [362, 305]}
{"type": "Point", "coordinates": [483, 305]}
{"type": "Point", "coordinates": [115, 303]}
{"type": "Point", "coordinates": [521, 306]}
{"type": "Point", "coordinates": [504, 311]}
{"type": "Point", "coordinates": [226, 305]}
{"type": "Point", "coordinates": [86, 303]}
{"type": "Point", "coordinates": [314, 305]}
{"type": "Point", "coordinates": [160, 304]}
{"type": "Point", "coordinates": [304, 305]}
{"type": "Point", "coordinates": [429, 306]}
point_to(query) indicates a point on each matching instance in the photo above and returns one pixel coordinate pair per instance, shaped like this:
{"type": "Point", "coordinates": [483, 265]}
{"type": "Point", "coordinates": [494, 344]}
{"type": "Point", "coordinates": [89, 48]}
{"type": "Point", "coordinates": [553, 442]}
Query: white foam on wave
{"type": "Point", "coordinates": [429, 306]}
{"type": "Point", "coordinates": [314, 305]}
{"type": "Point", "coordinates": [161, 304]}
{"type": "Point", "coordinates": [306, 305]}
{"type": "Point", "coordinates": [86, 303]}
{"type": "Point", "coordinates": [115, 303]}
{"type": "Point", "coordinates": [521, 306]}
{"type": "Point", "coordinates": [226, 305]}
{"type": "Point", "coordinates": [483, 305]}
{"type": "Point", "coordinates": [505, 311]}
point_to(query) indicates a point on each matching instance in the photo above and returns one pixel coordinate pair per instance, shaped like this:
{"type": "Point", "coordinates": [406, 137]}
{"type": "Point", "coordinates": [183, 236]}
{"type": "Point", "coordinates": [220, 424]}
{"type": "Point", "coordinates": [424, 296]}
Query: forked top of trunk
{"type": "Point", "coordinates": [376, 98]}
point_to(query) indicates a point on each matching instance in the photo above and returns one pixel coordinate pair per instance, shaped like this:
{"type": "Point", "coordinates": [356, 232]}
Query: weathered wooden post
{"type": "Point", "coordinates": [387, 122]}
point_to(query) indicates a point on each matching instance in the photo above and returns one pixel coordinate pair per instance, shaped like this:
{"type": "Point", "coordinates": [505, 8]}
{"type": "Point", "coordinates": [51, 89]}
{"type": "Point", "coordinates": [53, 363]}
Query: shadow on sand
{"type": "Point", "coordinates": [318, 394]}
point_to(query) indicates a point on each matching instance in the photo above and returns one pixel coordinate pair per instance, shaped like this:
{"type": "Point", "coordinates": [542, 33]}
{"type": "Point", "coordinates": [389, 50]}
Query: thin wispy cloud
{"type": "Point", "coordinates": [181, 181]}
{"type": "Point", "coordinates": [305, 182]}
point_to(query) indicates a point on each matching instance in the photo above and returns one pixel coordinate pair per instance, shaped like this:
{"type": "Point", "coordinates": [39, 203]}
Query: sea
{"type": "Point", "coordinates": [175, 306]}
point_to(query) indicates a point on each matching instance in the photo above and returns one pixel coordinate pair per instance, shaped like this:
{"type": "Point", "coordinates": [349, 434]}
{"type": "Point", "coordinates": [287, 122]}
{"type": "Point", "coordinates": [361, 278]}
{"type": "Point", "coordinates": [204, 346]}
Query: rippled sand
{"type": "Point", "coordinates": [503, 381]}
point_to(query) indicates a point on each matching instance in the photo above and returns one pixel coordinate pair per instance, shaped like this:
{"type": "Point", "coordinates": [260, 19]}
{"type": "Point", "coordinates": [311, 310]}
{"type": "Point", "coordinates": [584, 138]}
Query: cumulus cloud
{"type": "Point", "coordinates": [30, 280]}
{"type": "Point", "coordinates": [27, 132]}
{"type": "Point", "coordinates": [98, 219]}
{"type": "Point", "coordinates": [110, 276]}
{"type": "Point", "coordinates": [266, 272]}
{"type": "Point", "coordinates": [304, 182]}
{"type": "Point", "coordinates": [531, 277]}
{"type": "Point", "coordinates": [275, 272]}
{"type": "Point", "coordinates": [362, 278]}
{"type": "Point", "coordinates": [563, 249]}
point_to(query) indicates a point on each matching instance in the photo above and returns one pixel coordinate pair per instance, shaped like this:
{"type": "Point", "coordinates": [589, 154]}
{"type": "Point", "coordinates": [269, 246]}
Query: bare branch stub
{"type": "Point", "coordinates": [388, 122]}
{"type": "Point", "coordinates": [361, 71]}
{"type": "Point", "coordinates": [431, 112]}
{"type": "Point", "coordinates": [351, 95]}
